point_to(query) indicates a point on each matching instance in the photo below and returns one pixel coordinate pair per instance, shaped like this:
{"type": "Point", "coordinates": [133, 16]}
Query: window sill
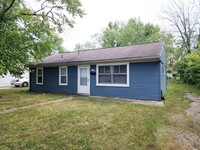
{"type": "Point", "coordinates": [63, 84]}
{"type": "Point", "coordinates": [113, 85]}
{"type": "Point", "coordinates": [39, 83]}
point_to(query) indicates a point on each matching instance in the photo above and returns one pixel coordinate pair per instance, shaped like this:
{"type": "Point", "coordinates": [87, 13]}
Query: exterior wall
{"type": "Point", "coordinates": [51, 81]}
{"type": "Point", "coordinates": [163, 77]}
{"type": "Point", "coordinates": [144, 83]}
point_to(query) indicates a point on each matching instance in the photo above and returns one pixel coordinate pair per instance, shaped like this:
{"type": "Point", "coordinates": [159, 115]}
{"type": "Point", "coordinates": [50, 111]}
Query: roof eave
{"type": "Point", "coordinates": [134, 60]}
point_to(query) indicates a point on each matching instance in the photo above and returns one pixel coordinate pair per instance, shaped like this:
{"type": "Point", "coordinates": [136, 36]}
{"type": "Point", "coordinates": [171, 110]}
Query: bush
{"type": "Point", "coordinates": [189, 68]}
{"type": "Point", "coordinates": [169, 71]}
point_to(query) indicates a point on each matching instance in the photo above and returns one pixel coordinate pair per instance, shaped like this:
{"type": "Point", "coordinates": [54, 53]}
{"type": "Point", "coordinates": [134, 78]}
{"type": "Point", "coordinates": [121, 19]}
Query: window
{"type": "Point", "coordinates": [63, 76]}
{"type": "Point", "coordinates": [39, 76]}
{"type": "Point", "coordinates": [83, 76]}
{"type": "Point", "coordinates": [113, 75]}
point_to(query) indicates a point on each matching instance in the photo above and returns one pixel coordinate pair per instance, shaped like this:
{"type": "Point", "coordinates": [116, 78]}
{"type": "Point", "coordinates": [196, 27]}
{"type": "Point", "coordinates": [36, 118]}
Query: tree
{"type": "Point", "coordinates": [184, 17]}
{"type": "Point", "coordinates": [135, 31]}
{"type": "Point", "coordinates": [28, 35]}
{"type": "Point", "coordinates": [111, 35]}
{"type": "Point", "coordinates": [85, 46]}
{"type": "Point", "coordinates": [58, 12]}
{"type": "Point", "coordinates": [132, 32]}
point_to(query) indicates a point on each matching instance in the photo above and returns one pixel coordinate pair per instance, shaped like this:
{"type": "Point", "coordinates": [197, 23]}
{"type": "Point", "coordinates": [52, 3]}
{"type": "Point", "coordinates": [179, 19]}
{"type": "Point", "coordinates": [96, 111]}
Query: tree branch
{"type": "Point", "coordinates": [9, 6]}
{"type": "Point", "coordinates": [6, 9]}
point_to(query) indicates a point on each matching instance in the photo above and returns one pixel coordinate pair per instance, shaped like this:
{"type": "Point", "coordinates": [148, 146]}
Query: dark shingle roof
{"type": "Point", "coordinates": [139, 51]}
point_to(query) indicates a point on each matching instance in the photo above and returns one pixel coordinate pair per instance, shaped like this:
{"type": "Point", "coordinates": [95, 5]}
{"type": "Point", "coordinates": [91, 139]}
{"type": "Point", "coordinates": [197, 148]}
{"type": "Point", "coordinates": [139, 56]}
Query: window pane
{"type": "Point", "coordinates": [63, 80]}
{"type": "Point", "coordinates": [107, 69]}
{"type": "Point", "coordinates": [39, 79]}
{"type": "Point", "coordinates": [83, 72]}
{"type": "Point", "coordinates": [101, 69]}
{"type": "Point", "coordinates": [40, 72]}
{"type": "Point", "coordinates": [119, 79]}
{"type": "Point", "coordinates": [123, 69]}
{"type": "Point", "coordinates": [83, 80]}
{"type": "Point", "coordinates": [116, 69]}
{"type": "Point", "coordinates": [63, 71]}
{"type": "Point", "coordinates": [104, 78]}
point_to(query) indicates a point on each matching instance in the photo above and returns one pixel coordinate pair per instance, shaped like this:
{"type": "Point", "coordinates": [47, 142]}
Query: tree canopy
{"type": "Point", "coordinates": [28, 35]}
{"type": "Point", "coordinates": [132, 32]}
{"type": "Point", "coordinates": [85, 46]}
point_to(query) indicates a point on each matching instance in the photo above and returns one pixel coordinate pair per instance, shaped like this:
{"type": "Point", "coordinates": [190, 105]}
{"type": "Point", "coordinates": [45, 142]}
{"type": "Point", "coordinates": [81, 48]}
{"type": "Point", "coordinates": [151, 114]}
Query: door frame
{"type": "Point", "coordinates": [88, 74]}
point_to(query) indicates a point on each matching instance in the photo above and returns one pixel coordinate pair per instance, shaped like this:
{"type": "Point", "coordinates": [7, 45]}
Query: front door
{"type": "Point", "coordinates": [84, 79]}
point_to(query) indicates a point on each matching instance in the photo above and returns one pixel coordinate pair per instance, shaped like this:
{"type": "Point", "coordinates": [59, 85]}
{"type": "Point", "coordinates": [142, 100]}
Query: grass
{"type": "Point", "coordinates": [16, 97]}
{"type": "Point", "coordinates": [88, 123]}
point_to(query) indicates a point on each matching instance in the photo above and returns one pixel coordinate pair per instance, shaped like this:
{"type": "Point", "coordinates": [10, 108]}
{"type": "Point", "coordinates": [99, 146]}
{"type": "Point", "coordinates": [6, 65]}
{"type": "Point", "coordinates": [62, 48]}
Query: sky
{"type": "Point", "coordinates": [100, 12]}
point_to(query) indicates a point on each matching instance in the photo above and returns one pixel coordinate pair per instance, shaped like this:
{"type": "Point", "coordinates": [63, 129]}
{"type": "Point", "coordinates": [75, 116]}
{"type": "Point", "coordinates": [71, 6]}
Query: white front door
{"type": "Point", "coordinates": [84, 79]}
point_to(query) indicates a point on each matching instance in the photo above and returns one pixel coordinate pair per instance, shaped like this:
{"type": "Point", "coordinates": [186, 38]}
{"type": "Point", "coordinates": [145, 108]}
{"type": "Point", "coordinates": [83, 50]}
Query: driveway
{"type": "Point", "coordinates": [5, 81]}
{"type": "Point", "coordinates": [6, 87]}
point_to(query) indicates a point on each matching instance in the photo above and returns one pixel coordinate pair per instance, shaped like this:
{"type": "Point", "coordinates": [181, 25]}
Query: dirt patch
{"type": "Point", "coordinates": [194, 110]}
{"type": "Point", "coordinates": [170, 137]}
{"type": "Point", "coordinates": [190, 140]}
{"type": "Point", "coordinates": [178, 120]}
{"type": "Point", "coordinates": [183, 130]}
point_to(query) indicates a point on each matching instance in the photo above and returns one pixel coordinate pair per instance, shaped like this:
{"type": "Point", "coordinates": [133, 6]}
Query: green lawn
{"type": "Point", "coordinates": [88, 123]}
{"type": "Point", "coordinates": [11, 98]}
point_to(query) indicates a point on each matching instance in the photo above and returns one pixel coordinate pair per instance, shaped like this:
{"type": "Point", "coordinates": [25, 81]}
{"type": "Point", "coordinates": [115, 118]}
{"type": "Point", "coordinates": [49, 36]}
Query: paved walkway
{"type": "Point", "coordinates": [6, 87]}
{"type": "Point", "coordinates": [133, 101]}
{"type": "Point", "coordinates": [34, 105]}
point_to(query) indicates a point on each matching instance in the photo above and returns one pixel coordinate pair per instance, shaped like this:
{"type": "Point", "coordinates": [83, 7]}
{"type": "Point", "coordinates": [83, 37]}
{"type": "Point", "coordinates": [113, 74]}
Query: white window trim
{"type": "Point", "coordinates": [60, 75]}
{"type": "Point", "coordinates": [113, 85]}
{"type": "Point", "coordinates": [37, 76]}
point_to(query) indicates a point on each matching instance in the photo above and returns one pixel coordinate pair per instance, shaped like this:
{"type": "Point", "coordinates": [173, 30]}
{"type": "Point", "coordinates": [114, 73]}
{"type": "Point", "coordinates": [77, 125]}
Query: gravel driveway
{"type": "Point", "coordinates": [194, 110]}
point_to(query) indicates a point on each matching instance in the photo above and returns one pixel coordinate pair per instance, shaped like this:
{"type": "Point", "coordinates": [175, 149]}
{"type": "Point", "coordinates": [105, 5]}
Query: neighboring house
{"type": "Point", "coordinates": [137, 71]}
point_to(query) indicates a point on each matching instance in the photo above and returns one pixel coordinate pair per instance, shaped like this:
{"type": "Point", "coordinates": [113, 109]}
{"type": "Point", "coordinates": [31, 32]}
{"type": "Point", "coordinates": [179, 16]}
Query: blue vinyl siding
{"type": "Point", "coordinates": [144, 83]}
{"type": "Point", "coordinates": [163, 77]}
{"type": "Point", "coordinates": [51, 81]}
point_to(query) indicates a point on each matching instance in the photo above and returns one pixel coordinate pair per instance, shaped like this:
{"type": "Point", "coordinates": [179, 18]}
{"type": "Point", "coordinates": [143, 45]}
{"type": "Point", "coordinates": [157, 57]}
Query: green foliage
{"type": "Point", "coordinates": [85, 46]}
{"type": "Point", "coordinates": [189, 68]}
{"type": "Point", "coordinates": [28, 35]}
{"type": "Point", "coordinates": [169, 71]}
{"type": "Point", "coordinates": [132, 32]}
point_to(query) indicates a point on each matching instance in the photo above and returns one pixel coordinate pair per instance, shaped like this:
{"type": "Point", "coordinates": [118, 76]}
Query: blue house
{"type": "Point", "coordinates": [136, 72]}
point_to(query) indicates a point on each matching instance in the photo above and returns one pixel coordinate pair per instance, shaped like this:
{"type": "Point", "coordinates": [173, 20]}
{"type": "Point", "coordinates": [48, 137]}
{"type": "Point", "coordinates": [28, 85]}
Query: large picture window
{"type": "Point", "coordinates": [39, 76]}
{"type": "Point", "coordinates": [63, 76]}
{"type": "Point", "coordinates": [113, 75]}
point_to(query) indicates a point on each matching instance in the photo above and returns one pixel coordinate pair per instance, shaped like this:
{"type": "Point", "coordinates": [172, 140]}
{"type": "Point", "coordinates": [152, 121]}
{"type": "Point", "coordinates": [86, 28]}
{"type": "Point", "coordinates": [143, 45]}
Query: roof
{"type": "Point", "coordinates": [137, 52]}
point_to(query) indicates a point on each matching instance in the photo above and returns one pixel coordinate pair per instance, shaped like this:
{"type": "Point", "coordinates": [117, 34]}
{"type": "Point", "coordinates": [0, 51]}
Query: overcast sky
{"type": "Point", "coordinates": [100, 12]}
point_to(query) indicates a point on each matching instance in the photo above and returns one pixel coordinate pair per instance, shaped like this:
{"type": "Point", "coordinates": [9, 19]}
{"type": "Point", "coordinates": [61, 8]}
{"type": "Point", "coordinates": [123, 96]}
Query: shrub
{"type": "Point", "coordinates": [189, 68]}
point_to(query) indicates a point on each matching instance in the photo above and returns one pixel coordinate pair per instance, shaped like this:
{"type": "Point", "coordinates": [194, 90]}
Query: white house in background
{"type": "Point", "coordinates": [6, 80]}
